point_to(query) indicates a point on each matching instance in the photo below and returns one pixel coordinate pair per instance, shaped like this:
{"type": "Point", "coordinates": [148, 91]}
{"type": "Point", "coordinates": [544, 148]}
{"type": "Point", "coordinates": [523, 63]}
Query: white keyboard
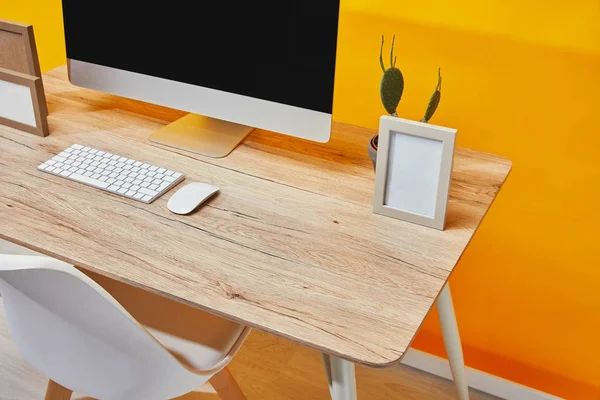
{"type": "Point", "coordinates": [113, 173]}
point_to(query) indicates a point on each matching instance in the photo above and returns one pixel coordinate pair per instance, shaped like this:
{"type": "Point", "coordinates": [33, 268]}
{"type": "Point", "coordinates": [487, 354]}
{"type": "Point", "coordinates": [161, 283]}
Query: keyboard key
{"type": "Point", "coordinates": [110, 180]}
{"type": "Point", "coordinates": [130, 161]}
{"type": "Point", "coordinates": [137, 182]}
{"type": "Point", "coordinates": [130, 193]}
{"type": "Point", "coordinates": [43, 166]}
{"type": "Point", "coordinates": [119, 183]}
{"type": "Point", "coordinates": [148, 179]}
{"type": "Point", "coordinates": [87, 173]}
{"type": "Point", "coordinates": [92, 151]}
{"type": "Point", "coordinates": [161, 170]}
{"type": "Point", "coordinates": [138, 195]}
{"type": "Point", "coordinates": [148, 191]}
{"type": "Point", "coordinates": [113, 175]}
{"type": "Point", "coordinates": [176, 175]}
{"type": "Point", "coordinates": [163, 186]}
{"type": "Point", "coordinates": [85, 148]}
{"type": "Point", "coordinates": [137, 163]}
{"type": "Point", "coordinates": [153, 187]}
{"type": "Point", "coordinates": [157, 181]}
{"type": "Point", "coordinates": [159, 176]}
{"type": "Point", "coordinates": [70, 149]}
{"type": "Point", "coordinates": [144, 184]}
{"type": "Point", "coordinates": [135, 187]}
{"type": "Point", "coordinates": [113, 188]}
{"type": "Point", "coordinates": [126, 185]}
{"type": "Point", "coordinates": [120, 164]}
{"type": "Point", "coordinates": [153, 168]}
{"type": "Point", "coordinates": [151, 173]}
{"type": "Point", "coordinates": [115, 157]}
{"type": "Point", "coordinates": [96, 176]}
{"type": "Point", "coordinates": [146, 166]}
{"type": "Point", "coordinates": [103, 178]}
{"type": "Point", "coordinates": [169, 179]}
{"type": "Point", "coordinates": [50, 169]}
{"type": "Point", "coordinates": [168, 172]}
{"type": "Point", "coordinates": [146, 198]}
{"type": "Point", "coordinates": [129, 179]}
{"type": "Point", "coordinates": [122, 191]}
{"type": "Point", "coordinates": [89, 181]}
{"type": "Point", "coordinates": [65, 173]}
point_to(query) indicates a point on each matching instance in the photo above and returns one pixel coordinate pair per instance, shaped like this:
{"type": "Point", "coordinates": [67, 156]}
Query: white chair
{"type": "Point", "coordinates": [72, 330]}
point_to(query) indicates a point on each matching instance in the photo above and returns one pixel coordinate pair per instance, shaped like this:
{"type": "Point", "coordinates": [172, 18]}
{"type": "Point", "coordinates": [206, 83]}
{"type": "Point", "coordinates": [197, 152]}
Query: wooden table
{"type": "Point", "coordinates": [289, 246]}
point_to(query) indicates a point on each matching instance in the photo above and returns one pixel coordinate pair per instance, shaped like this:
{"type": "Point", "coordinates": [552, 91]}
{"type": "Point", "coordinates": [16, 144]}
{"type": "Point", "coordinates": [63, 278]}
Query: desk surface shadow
{"type": "Point", "coordinates": [290, 246]}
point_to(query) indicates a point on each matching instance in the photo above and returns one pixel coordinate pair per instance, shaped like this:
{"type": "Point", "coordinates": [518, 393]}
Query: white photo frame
{"type": "Point", "coordinates": [414, 168]}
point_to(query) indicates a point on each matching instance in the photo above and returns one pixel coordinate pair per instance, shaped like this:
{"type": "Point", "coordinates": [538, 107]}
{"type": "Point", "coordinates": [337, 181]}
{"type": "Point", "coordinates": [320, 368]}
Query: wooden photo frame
{"type": "Point", "coordinates": [414, 168]}
{"type": "Point", "coordinates": [18, 51]}
{"type": "Point", "coordinates": [22, 102]}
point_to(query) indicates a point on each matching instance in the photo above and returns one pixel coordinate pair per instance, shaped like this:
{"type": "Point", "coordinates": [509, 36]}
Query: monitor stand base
{"type": "Point", "coordinates": [202, 135]}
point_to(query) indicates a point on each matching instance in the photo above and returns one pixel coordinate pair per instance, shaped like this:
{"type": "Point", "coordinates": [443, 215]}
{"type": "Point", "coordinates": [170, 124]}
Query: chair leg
{"type": "Point", "coordinates": [56, 392]}
{"type": "Point", "coordinates": [225, 386]}
{"type": "Point", "coordinates": [340, 377]}
{"type": "Point", "coordinates": [452, 343]}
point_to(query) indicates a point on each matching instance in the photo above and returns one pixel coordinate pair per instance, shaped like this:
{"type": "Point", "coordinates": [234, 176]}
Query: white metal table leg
{"type": "Point", "coordinates": [341, 377]}
{"type": "Point", "coordinates": [452, 343]}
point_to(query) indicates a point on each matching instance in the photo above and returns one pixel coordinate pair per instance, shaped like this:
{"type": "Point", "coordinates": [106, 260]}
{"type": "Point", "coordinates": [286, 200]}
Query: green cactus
{"type": "Point", "coordinates": [434, 100]}
{"type": "Point", "coordinates": [392, 81]}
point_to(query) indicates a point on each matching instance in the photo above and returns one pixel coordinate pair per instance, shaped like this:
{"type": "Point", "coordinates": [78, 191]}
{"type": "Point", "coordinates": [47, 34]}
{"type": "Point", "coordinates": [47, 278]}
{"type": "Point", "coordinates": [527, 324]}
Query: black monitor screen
{"type": "Point", "coordinates": [282, 50]}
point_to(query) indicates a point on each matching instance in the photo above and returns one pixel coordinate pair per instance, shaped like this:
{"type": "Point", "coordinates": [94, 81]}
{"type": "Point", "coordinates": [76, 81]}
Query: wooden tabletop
{"type": "Point", "coordinates": [289, 246]}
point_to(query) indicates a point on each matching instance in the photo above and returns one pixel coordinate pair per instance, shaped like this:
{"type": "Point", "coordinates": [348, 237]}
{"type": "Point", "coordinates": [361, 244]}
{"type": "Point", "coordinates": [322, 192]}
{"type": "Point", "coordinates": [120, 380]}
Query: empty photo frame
{"type": "Point", "coordinates": [17, 48]}
{"type": "Point", "coordinates": [22, 102]}
{"type": "Point", "coordinates": [414, 168]}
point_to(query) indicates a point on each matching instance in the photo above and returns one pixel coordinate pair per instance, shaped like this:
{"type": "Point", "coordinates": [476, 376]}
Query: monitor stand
{"type": "Point", "coordinates": [202, 135]}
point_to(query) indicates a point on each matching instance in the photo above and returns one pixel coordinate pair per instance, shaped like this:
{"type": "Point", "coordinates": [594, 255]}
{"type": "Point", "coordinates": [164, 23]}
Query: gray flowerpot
{"type": "Point", "coordinates": [373, 150]}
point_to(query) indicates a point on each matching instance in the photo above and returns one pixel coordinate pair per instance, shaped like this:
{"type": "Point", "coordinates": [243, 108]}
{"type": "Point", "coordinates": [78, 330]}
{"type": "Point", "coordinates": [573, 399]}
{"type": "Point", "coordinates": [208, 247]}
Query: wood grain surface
{"type": "Point", "coordinates": [289, 246]}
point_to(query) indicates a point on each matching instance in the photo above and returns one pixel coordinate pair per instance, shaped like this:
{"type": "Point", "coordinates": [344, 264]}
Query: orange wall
{"type": "Point", "coordinates": [521, 79]}
{"type": "Point", "coordinates": [526, 290]}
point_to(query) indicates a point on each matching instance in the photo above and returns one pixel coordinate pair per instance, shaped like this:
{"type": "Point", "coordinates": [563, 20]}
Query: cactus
{"type": "Point", "coordinates": [392, 81]}
{"type": "Point", "coordinates": [434, 100]}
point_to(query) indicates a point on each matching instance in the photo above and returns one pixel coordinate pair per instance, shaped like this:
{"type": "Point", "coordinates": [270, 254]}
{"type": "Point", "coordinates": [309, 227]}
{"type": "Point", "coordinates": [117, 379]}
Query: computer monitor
{"type": "Point", "coordinates": [268, 64]}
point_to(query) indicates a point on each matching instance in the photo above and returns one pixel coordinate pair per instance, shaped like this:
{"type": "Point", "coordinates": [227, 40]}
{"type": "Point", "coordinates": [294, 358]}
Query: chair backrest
{"type": "Point", "coordinates": [70, 329]}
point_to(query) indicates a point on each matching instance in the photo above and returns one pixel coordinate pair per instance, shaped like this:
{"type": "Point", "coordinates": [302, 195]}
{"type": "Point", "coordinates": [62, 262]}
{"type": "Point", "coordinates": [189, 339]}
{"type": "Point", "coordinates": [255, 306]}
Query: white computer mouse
{"type": "Point", "coordinates": [188, 198]}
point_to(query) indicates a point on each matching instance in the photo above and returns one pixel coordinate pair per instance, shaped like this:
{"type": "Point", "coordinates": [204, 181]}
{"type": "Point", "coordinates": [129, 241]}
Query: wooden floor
{"type": "Point", "coordinates": [266, 368]}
